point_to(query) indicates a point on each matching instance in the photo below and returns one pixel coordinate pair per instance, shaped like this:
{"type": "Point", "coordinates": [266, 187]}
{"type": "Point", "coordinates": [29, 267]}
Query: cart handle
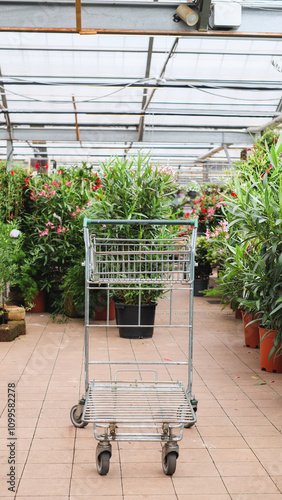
{"type": "Point", "coordinates": [143, 222]}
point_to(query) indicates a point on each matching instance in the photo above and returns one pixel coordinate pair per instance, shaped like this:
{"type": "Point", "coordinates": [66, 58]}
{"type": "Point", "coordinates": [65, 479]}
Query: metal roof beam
{"type": "Point", "coordinates": [110, 136]}
{"type": "Point", "coordinates": [119, 17]}
{"type": "Point", "coordinates": [271, 124]}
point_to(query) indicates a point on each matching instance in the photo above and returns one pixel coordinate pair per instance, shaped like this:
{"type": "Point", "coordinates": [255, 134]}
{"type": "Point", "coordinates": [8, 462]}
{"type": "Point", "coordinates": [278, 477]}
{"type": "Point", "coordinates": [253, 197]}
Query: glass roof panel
{"type": "Point", "coordinates": [101, 86]}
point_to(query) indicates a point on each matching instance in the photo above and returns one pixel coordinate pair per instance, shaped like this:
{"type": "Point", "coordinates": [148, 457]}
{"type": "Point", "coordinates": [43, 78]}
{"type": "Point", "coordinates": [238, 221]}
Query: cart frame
{"type": "Point", "coordinates": [119, 408]}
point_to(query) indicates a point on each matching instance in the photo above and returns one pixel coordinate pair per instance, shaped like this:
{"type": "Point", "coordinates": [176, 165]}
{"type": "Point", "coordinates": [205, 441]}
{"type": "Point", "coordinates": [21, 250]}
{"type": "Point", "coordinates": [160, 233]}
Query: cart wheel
{"type": "Point", "coordinates": [103, 463]}
{"type": "Point", "coordinates": [76, 422]}
{"type": "Point", "coordinates": [169, 463]}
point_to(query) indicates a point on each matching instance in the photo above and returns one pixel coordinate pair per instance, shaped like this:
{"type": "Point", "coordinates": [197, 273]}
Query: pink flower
{"type": "Point", "coordinates": [227, 236]}
{"type": "Point", "coordinates": [59, 230]}
{"type": "Point", "coordinates": [32, 198]}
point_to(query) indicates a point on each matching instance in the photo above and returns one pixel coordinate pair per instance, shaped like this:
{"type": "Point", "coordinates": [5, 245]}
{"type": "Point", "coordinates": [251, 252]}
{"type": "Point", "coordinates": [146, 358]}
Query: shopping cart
{"type": "Point", "coordinates": [138, 410]}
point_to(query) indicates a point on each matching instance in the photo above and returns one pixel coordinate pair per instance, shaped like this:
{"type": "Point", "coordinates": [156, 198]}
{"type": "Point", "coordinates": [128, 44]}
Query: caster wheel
{"type": "Point", "coordinates": [103, 463]}
{"type": "Point", "coordinates": [76, 422]}
{"type": "Point", "coordinates": [169, 463]}
{"type": "Point", "coordinates": [188, 426]}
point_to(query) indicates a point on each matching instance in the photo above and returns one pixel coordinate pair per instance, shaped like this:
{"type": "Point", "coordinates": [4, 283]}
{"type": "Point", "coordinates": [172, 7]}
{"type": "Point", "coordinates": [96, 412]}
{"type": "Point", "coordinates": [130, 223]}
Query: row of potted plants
{"type": "Point", "coordinates": [250, 243]}
{"type": "Point", "coordinates": [48, 212]}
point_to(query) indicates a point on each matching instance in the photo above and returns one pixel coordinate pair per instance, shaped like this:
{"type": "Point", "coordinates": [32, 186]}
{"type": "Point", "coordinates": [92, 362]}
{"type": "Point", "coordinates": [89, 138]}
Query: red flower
{"type": "Point", "coordinates": [204, 210]}
{"type": "Point", "coordinates": [12, 173]}
{"type": "Point", "coordinates": [46, 166]}
{"type": "Point", "coordinates": [233, 194]}
{"type": "Point", "coordinates": [37, 165]}
{"type": "Point", "coordinates": [11, 216]}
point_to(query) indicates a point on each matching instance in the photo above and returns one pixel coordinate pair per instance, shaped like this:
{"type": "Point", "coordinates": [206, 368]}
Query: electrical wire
{"type": "Point", "coordinates": [141, 80]}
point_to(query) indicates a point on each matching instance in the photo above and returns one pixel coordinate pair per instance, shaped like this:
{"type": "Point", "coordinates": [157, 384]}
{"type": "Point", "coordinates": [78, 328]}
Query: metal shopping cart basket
{"type": "Point", "coordinates": [140, 410]}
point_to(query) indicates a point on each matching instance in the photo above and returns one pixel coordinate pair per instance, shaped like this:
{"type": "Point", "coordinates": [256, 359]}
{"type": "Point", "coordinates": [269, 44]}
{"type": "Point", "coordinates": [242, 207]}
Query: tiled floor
{"type": "Point", "coordinates": [233, 452]}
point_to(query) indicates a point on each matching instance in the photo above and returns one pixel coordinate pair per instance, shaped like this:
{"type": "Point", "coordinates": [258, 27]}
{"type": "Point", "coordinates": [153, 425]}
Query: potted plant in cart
{"type": "Point", "coordinates": [134, 189]}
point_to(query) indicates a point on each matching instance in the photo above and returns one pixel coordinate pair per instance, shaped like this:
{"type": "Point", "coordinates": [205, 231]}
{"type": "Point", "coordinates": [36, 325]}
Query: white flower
{"type": "Point", "coordinates": [15, 233]}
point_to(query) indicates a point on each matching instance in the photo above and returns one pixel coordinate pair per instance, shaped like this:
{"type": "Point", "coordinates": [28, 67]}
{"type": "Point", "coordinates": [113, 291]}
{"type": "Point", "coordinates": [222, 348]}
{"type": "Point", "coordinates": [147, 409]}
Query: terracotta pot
{"type": "Point", "coordinates": [101, 312]}
{"type": "Point", "coordinates": [273, 364]}
{"type": "Point", "coordinates": [251, 332]}
{"type": "Point", "coordinates": [39, 303]}
{"type": "Point", "coordinates": [238, 313]}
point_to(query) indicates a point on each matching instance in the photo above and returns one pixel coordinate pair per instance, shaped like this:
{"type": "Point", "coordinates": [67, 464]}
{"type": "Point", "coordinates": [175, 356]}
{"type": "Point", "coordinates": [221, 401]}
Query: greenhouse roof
{"type": "Point", "coordinates": [186, 94]}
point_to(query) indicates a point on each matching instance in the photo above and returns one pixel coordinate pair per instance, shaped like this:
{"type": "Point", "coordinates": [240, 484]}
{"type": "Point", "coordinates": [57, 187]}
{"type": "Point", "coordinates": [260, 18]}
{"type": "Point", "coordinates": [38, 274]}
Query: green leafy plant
{"type": "Point", "coordinates": [206, 257]}
{"type": "Point", "coordinates": [207, 207]}
{"type": "Point", "coordinates": [256, 212]}
{"type": "Point", "coordinates": [135, 189]}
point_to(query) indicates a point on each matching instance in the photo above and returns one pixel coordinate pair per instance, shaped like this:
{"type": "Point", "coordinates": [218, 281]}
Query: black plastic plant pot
{"type": "Point", "coordinates": [199, 286]}
{"type": "Point", "coordinates": [127, 314]}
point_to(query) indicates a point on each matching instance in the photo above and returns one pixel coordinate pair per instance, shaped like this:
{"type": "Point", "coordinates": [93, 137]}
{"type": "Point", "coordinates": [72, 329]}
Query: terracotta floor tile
{"type": "Point", "coordinates": [195, 496]}
{"type": "Point", "coordinates": [232, 455]}
{"type": "Point", "coordinates": [35, 487]}
{"type": "Point", "coordinates": [240, 469]}
{"type": "Point", "coordinates": [50, 456]}
{"type": "Point", "coordinates": [45, 444]}
{"type": "Point", "coordinates": [203, 486]}
{"type": "Point", "coordinates": [219, 442]}
{"type": "Point", "coordinates": [264, 442]}
{"type": "Point", "coordinates": [258, 430]}
{"type": "Point", "coordinates": [46, 471]}
{"type": "Point", "coordinates": [243, 485]}
{"type": "Point", "coordinates": [152, 486]}
{"type": "Point", "coordinates": [88, 470]}
{"type": "Point", "coordinates": [95, 486]}
{"type": "Point", "coordinates": [225, 431]}
{"type": "Point", "coordinates": [257, 496]}
{"type": "Point", "coordinates": [233, 452]}
{"type": "Point", "coordinates": [96, 497]}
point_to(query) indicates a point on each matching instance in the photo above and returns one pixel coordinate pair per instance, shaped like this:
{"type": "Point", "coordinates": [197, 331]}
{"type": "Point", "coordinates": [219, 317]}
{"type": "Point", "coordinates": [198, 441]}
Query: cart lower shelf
{"type": "Point", "coordinates": [137, 405]}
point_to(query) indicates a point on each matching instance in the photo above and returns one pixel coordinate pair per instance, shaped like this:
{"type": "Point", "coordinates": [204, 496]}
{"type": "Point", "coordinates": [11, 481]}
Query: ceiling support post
{"type": "Point", "coordinates": [4, 106]}
{"type": "Point", "coordinates": [205, 8]}
{"type": "Point", "coordinates": [227, 154]}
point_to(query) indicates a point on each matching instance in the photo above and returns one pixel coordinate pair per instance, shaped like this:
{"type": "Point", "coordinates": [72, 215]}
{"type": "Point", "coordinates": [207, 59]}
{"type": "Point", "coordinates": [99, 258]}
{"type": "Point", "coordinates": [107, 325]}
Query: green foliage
{"type": "Point", "coordinates": [135, 189]}
{"type": "Point", "coordinates": [254, 214]}
{"type": "Point", "coordinates": [73, 293]}
{"type": "Point", "coordinates": [208, 206]}
{"type": "Point", "coordinates": [206, 257]}
{"type": "Point", "coordinates": [12, 193]}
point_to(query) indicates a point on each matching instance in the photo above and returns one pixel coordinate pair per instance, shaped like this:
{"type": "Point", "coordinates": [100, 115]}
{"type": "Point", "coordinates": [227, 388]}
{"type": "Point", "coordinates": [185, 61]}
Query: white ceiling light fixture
{"type": "Point", "coordinates": [188, 15]}
{"type": "Point", "coordinates": [226, 14]}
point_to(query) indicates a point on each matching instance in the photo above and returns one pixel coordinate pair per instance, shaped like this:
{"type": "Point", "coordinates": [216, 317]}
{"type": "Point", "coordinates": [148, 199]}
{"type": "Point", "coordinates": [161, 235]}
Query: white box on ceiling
{"type": "Point", "coordinates": [225, 14]}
